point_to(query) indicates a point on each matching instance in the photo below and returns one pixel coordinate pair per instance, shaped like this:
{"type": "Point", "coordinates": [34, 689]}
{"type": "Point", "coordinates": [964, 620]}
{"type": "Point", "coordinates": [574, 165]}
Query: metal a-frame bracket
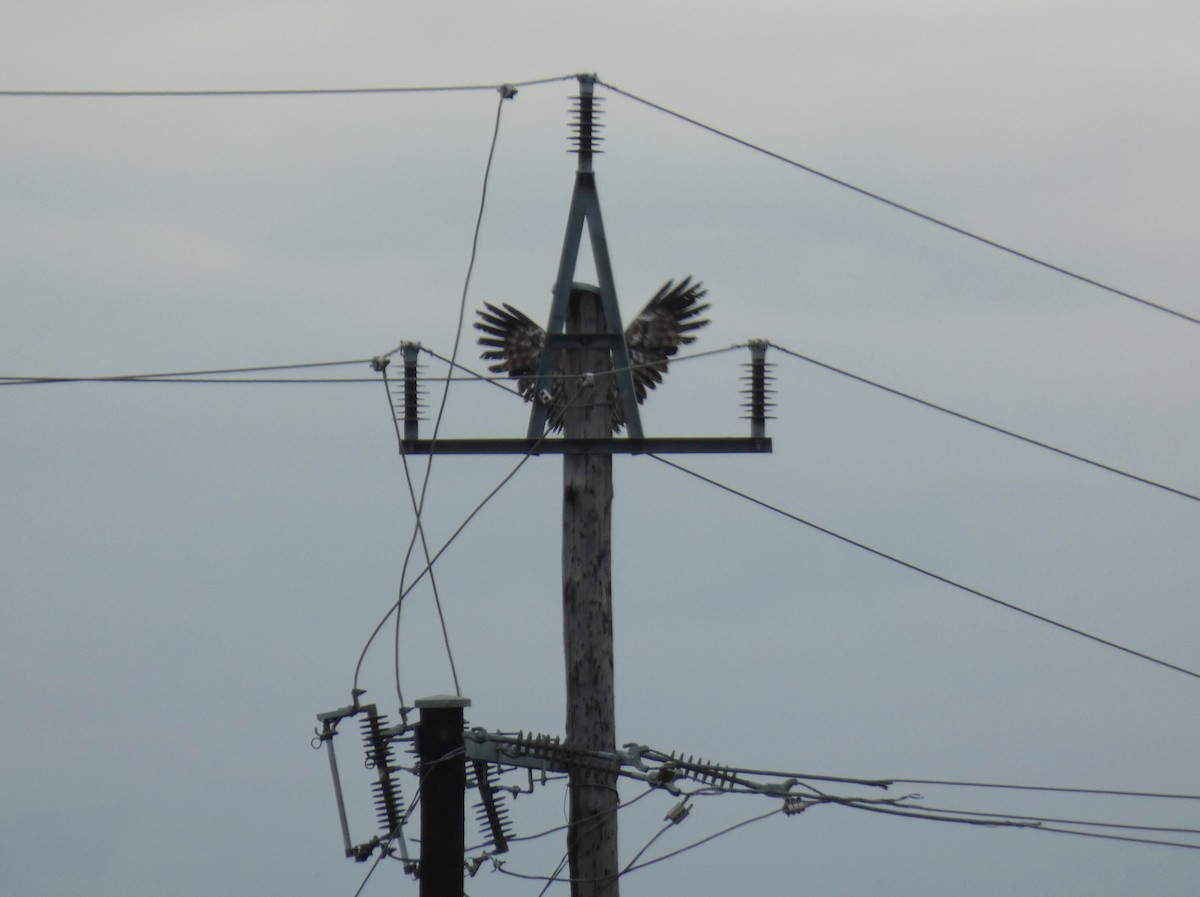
{"type": "Point", "coordinates": [585, 211]}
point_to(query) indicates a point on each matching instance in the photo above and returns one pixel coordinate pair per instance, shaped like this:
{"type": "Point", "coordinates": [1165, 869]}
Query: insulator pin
{"type": "Point", "coordinates": [584, 125]}
{"type": "Point", "coordinates": [412, 403]}
{"type": "Point", "coordinates": [758, 392]}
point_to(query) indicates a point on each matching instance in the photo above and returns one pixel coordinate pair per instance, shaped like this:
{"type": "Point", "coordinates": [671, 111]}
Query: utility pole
{"type": "Point", "coordinates": [587, 606]}
{"type": "Point", "coordinates": [585, 355]}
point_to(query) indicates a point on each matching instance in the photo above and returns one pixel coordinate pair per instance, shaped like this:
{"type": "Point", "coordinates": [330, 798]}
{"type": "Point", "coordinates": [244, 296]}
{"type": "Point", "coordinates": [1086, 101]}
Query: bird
{"type": "Point", "coordinates": [514, 343]}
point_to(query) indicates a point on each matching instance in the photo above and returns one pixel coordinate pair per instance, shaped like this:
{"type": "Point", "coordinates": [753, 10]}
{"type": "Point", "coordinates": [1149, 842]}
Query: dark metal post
{"type": "Point", "coordinates": [443, 781]}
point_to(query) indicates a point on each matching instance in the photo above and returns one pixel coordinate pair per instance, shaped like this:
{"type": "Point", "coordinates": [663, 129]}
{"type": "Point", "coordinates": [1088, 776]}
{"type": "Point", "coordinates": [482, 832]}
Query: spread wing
{"type": "Point", "coordinates": [514, 343]}
{"type": "Point", "coordinates": [667, 322]}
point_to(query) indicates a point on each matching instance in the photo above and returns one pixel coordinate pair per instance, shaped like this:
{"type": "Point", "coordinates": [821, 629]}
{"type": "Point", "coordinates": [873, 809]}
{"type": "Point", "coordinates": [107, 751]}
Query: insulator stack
{"type": "Point", "coordinates": [413, 403]}
{"type": "Point", "coordinates": [758, 392]}
{"type": "Point", "coordinates": [490, 812]}
{"type": "Point", "coordinates": [389, 804]}
{"type": "Point", "coordinates": [706, 773]}
{"type": "Point", "coordinates": [584, 125]}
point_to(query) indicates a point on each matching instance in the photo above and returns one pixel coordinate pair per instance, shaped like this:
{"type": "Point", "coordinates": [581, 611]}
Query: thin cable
{"type": "Point", "coordinates": [530, 453]}
{"type": "Point", "coordinates": [370, 872]}
{"type": "Point", "coordinates": [462, 305]}
{"type": "Point", "coordinates": [1126, 838]}
{"type": "Point", "coordinates": [553, 877]}
{"type": "Point", "coordinates": [1031, 826]}
{"type": "Point", "coordinates": [903, 208]}
{"type": "Point", "coordinates": [206, 381]}
{"type": "Point", "coordinates": [567, 825]}
{"type": "Point", "coordinates": [694, 844]}
{"type": "Point", "coordinates": [1102, 792]}
{"type": "Point", "coordinates": [658, 859]}
{"type": "Point", "coordinates": [658, 834]}
{"type": "Point", "coordinates": [419, 503]}
{"type": "Point", "coordinates": [412, 494]}
{"type": "Point", "coordinates": [437, 555]}
{"type": "Point", "coordinates": [154, 378]}
{"type": "Point", "coordinates": [502, 380]}
{"type": "Point", "coordinates": [985, 424]}
{"type": "Point", "coordinates": [950, 783]}
{"type": "Point", "coordinates": [1084, 822]}
{"type": "Point", "coordinates": [301, 91]}
{"type": "Point", "coordinates": [930, 574]}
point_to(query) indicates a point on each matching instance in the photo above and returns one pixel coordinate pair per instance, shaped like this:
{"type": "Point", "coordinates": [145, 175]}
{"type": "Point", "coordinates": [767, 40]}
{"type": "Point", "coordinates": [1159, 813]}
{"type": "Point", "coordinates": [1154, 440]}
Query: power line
{"type": "Point", "coordinates": [187, 376]}
{"type": "Point", "coordinates": [412, 494]}
{"type": "Point", "coordinates": [924, 572]}
{"type": "Point", "coordinates": [695, 844]}
{"type": "Point", "coordinates": [280, 92]}
{"type": "Point", "coordinates": [998, 821]}
{"type": "Point", "coordinates": [530, 453]}
{"type": "Point", "coordinates": [992, 427]}
{"type": "Point", "coordinates": [419, 503]}
{"type": "Point", "coordinates": [1084, 822]}
{"type": "Point", "coordinates": [437, 555]}
{"type": "Point", "coordinates": [903, 208]}
{"type": "Point", "coordinates": [1100, 792]}
{"type": "Point", "coordinates": [666, 856]}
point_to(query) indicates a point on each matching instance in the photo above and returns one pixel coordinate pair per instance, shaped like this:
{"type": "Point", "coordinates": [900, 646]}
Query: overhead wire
{"type": "Point", "coordinates": [974, 420]}
{"type": "Point", "coordinates": [909, 210]}
{"type": "Point", "coordinates": [1059, 821]}
{"type": "Point", "coordinates": [419, 528]}
{"type": "Point", "coordinates": [1007, 822]}
{"type": "Point", "coordinates": [418, 502]}
{"type": "Point", "coordinates": [531, 452]}
{"type": "Point", "coordinates": [1052, 789]}
{"type": "Point", "coordinates": [183, 376]}
{"type": "Point", "coordinates": [902, 807]}
{"type": "Point", "coordinates": [929, 573]}
{"type": "Point", "coordinates": [280, 92]}
{"type": "Point", "coordinates": [705, 840]}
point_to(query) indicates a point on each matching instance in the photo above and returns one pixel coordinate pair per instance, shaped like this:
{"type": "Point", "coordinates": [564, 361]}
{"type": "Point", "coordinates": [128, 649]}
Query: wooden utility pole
{"type": "Point", "coordinates": [587, 605]}
{"type": "Point", "coordinates": [585, 354]}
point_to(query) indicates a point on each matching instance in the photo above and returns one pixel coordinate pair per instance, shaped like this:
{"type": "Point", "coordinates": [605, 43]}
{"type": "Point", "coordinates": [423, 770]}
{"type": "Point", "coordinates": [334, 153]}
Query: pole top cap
{"type": "Point", "coordinates": [442, 702]}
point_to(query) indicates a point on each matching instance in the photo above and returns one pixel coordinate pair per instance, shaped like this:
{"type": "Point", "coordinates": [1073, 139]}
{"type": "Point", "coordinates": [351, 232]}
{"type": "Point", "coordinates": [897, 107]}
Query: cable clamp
{"type": "Point", "coordinates": [796, 804]}
{"type": "Point", "coordinates": [678, 813]}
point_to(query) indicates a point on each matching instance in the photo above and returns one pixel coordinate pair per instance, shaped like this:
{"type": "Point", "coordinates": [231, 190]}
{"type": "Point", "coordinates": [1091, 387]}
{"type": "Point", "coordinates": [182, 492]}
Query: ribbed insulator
{"type": "Point", "coordinates": [757, 391]}
{"type": "Point", "coordinates": [585, 127]}
{"type": "Point", "coordinates": [389, 804]}
{"type": "Point", "coordinates": [491, 813]}
{"type": "Point", "coordinates": [411, 404]}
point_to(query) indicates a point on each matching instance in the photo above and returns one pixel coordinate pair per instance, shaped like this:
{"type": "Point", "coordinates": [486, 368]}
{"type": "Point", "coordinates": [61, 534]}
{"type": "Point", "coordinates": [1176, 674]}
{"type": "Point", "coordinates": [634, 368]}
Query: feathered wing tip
{"type": "Point", "coordinates": [513, 342]}
{"type": "Point", "coordinates": [668, 321]}
{"type": "Point", "coordinates": [512, 338]}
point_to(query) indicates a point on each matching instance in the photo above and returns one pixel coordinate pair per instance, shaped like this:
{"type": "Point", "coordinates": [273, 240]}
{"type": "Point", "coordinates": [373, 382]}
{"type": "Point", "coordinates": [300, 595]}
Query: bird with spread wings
{"type": "Point", "coordinates": [514, 343]}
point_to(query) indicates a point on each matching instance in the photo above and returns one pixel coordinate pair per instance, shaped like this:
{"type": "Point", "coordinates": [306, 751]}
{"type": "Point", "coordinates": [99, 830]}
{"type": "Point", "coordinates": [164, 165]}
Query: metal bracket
{"type": "Point", "coordinates": [378, 738]}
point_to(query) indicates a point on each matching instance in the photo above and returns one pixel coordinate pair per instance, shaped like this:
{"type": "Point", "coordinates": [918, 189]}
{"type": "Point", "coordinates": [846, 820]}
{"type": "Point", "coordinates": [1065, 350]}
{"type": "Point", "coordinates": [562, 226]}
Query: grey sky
{"type": "Point", "coordinates": [190, 571]}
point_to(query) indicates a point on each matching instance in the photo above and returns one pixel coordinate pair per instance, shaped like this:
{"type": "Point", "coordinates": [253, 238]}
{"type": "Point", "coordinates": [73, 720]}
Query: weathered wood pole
{"type": "Point", "coordinates": [587, 606]}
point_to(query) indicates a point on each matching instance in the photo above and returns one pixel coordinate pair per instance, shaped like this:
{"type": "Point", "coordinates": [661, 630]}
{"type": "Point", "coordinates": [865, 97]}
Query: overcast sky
{"type": "Point", "coordinates": [189, 572]}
